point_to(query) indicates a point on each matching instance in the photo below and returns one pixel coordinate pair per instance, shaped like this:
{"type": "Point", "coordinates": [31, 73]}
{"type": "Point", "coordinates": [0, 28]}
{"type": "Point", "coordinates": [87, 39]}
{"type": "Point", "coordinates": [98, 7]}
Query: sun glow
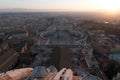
{"type": "Point", "coordinates": [112, 6]}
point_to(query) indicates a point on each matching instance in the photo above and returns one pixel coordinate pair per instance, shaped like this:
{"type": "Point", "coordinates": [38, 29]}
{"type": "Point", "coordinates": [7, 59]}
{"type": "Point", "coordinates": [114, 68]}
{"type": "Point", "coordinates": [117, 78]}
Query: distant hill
{"type": "Point", "coordinates": [45, 10]}
{"type": "Point", "coordinates": [16, 10]}
{"type": "Point", "coordinates": [82, 14]}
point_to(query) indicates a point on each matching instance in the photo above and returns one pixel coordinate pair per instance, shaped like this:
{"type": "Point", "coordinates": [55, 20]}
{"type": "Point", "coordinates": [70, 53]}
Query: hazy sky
{"type": "Point", "coordinates": [73, 5]}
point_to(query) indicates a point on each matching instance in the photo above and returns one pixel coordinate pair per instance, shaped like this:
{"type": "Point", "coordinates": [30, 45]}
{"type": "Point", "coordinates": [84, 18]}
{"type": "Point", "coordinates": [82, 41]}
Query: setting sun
{"type": "Point", "coordinates": [107, 6]}
{"type": "Point", "coordinates": [112, 6]}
